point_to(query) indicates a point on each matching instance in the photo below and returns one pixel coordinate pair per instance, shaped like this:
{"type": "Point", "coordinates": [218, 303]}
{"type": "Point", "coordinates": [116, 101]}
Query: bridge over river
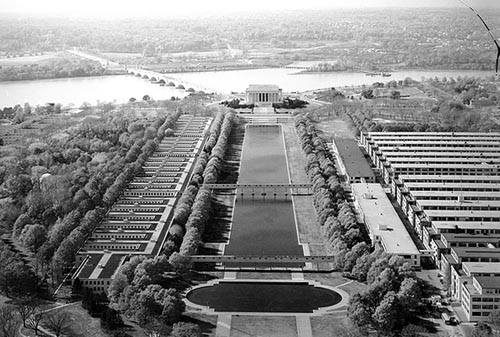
{"type": "Point", "coordinates": [160, 78]}
{"type": "Point", "coordinates": [153, 76]}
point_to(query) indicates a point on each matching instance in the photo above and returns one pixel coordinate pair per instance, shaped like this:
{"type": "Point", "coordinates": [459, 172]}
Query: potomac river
{"type": "Point", "coordinates": [120, 88]}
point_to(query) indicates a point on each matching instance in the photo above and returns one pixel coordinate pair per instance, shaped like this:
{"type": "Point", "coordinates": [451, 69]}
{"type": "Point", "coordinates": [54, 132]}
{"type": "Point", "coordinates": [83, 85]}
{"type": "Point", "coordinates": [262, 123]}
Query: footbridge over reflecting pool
{"type": "Point", "coordinates": [264, 189]}
{"type": "Point", "coordinates": [311, 262]}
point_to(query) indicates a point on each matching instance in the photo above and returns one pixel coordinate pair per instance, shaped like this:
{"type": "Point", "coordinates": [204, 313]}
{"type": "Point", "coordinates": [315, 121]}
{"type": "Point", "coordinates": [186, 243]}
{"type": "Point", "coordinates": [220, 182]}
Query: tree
{"type": "Point", "coordinates": [58, 322]}
{"type": "Point", "coordinates": [387, 314]}
{"type": "Point", "coordinates": [182, 329]}
{"type": "Point", "coordinates": [359, 311]}
{"type": "Point", "coordinates": [25, 309]}
{"type": "Point", "coordinates": [111, 319]}
{"type": "Point", "coordinates": [494, 317]}
{"type": "Point", "coordinates": [27, 108]}
{"type": "Point", "coordinates": [35, 319]}
{"type": "Point", "coordinates": [367, 93]}
{"type": "Point", "coordinates": [410, 293]}
{"type": "Point", "coordinates": [8, 322]}
{"type": "Point", "coordinates": [482, 330]}
{"type": "Point", "coordinates": [19, 116]}
{"type": "Point", "coordinates": [412, 330]}
{"type": "Point", "coordinates": [395, 94]}
{"type": "Point", "coordinates": [354, 254]}
{"type": "Point", "coordinates": [181, 264]}
{"type": "Point", "coordinates": [33, 237]}
{"type": "Point", "coordinates": [146, 98]}
{"type": "Point", "coordinates": [17, 278]}
{"type": "Point", "coordinates": [21, 221]}
{"type": "Point", "coordinates": [132, 99]}
{"type": "Point", "coordinates": [173, 307]}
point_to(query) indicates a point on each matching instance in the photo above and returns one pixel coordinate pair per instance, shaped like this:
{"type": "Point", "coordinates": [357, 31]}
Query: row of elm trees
{"type": "Point", "coordinates": [344, 236]}
{"type": "Point", "coordinates": [193, 208]}
{"type": "Point", "coordinates": [391, 300]}
{"type": "Point", "coordinates": [68, 240]}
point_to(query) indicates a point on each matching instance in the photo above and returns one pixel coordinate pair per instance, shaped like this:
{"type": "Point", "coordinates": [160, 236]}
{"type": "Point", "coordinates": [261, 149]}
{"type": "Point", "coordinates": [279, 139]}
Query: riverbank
{"type": "Point", "coordinates": [176, 70]}
{"type": "Point", "coordinates": [38, 78]}
{"type": "Point", "coordinates": [390, 72]}
{"type": "Point", "coordinates": [88, 90]}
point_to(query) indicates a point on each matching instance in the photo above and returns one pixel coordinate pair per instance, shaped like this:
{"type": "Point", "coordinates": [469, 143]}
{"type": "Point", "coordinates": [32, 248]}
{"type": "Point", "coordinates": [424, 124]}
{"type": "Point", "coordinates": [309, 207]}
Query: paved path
{"type": "Point", "coordinates": [223, 325]}
{"type": "Point", "coordinates": [304, 326]}
{"type": "Point", "coordinates": [264, 110]}
{"type": "Point", "coordinates": [344, 284]}
{"type": "Point", "coordinates": [230, 275]}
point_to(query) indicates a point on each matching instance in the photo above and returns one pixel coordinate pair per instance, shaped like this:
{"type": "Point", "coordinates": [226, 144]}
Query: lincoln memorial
{"type": "Point", "coordinates": [263, 94]}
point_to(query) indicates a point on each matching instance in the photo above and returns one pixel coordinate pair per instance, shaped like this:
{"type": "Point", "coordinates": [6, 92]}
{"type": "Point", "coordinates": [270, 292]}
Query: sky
{"type": "Point", "coordinates": [166, 8]}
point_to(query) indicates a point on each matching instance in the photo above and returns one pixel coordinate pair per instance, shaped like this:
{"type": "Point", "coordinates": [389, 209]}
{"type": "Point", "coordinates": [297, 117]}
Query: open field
{"type": "Point", "coordinates": [245, 275]}
{"type": "Point", "coordinates": [82, 324]}
{"type": "Point", "coordinates": [330, 325]}
{"type": "Point", "coordinates": [335, 128]}
{"type": "Point", "coordinates": [309, 231]}
{"type": "Point", "coordinates": [22, 60]}
{"type": "Point", "coordinates": [269, 326]}
{"type": "Point", "coordinates": [121, 55]}
{"type": "Point", "coordinates": [335, 279]}
{"type": "Point", "coordinates": [207, 323]}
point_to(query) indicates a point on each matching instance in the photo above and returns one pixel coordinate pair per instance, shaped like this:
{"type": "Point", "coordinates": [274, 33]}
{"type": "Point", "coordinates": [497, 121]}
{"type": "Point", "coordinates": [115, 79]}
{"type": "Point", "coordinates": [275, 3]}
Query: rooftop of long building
{"type": "Point", "coordinates": [459, 203]}
{"type": "Point", "coordinates": [478, 238]}
{"type": "Point", "coordinates": [484, 195]}
{"type": "Point", "coordinates": [488, 282]}
{"type": "Point", "coordinates": [352, 158]}
{"type": "Point", "coordinates": [468, 225]}
{"type": "Point", "coordinates": [382, 219]}
{"type": "Point", "coordinates": [467, 252]}
{"type": "Point", "coordinates": [445, 178]}
{"type": "Point", "coordinates": [482, 267]}
{"type": "Point", "coordinates": [434, 134]}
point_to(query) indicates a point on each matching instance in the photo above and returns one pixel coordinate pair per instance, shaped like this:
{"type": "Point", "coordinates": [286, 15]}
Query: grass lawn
{"type": "Point", "coordinates": [330, 325]}
{"type": "Point", "coordinates": [207, 323]}
{"type": "Point", "coordinates": [82, 324]}
{"type": "Point", "coordinates": [36, 59]}
{"type": "Point", "coordinates": [269, 326]}
{"type": "Point", "coordinates": [246, 275]}
{"type": "Point", "coordinates": [335, 279]}
{"type": "Point", "coordinates": [317, 249]}
{"type": "Point", "coordinates": [296, 158]}
{"type": "Point", "coordinates": [309, 232]}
